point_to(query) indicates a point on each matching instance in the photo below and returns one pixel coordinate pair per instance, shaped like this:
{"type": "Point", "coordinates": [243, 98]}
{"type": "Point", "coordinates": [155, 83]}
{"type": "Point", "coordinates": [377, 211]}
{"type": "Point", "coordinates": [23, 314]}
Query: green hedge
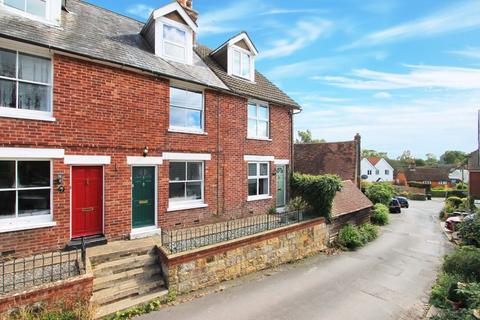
{"type": "Point", "coordinates": [380, 192]}
{"type": "Point", "coordinates": [353, 237]}
{"type": "Point", "coordinates": [456, 193]}
{"type": "Point", "coordinates": [418, 196]}
{"type": "Point", "coordinates": [317, 191]}
{"type": "Point", "coordinates": [380, 214]}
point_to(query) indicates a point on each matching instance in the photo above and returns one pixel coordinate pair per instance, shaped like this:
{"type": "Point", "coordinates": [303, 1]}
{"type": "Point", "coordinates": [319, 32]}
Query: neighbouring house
{"type": "Point", "coordinates": [114, 129]}
{"type": "Point", "coordinates": [350, 206]}
{"type": "Point", "coordinates": [340, 158]}
{"type": "Point", "coordinates": [376, 170]}
{"type": "Point", "coordinates": [459, 174]}
{"type": "Point", "coordinates": [474, 175]}
{"type": "Point", "coordinates": [433, 176]}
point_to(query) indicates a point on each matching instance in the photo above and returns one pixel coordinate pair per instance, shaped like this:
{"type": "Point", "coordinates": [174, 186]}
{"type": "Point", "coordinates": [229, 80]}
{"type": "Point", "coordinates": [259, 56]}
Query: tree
{"type": "Point", "coordinates": [306, 137]}
{"type": "Point", "coordinates": [453, 157]}
{"type": "Point", "coordinates": [368, 153]}
{"type": "Point", "coordinates": [381, 192]}
{"type": "Point", "coordinates": [406, 157]}
{"type": "Point", "coordinates": [431, 159]}
{"type": "Point", "coordinates": [420, 162]}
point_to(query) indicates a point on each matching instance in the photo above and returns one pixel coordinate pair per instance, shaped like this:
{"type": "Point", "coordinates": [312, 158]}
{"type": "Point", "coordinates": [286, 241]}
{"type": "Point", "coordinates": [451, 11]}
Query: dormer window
{"type": "Point", "coordinates": [33, 7]}
{"type": "Point", "coordinates": [174, 43]}
{"type": "Point", "coordinates": [46, 11]}
{"type": "Point", "coordinates": [242, 62]}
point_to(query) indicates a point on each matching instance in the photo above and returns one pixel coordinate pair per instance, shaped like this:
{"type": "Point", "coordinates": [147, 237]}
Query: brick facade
{"type": "Point", "coordinates": [474, 184]}
{"type": "Point", "coordinates": [108, 111]}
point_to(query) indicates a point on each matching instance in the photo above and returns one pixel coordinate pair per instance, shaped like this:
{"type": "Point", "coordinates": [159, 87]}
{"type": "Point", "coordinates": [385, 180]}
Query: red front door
{"type": "Point", "coordinates": [87, 201]}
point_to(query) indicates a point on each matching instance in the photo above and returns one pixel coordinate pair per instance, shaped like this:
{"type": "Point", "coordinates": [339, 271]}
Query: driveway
{"type": "Point", "coordinates": [388, 279]}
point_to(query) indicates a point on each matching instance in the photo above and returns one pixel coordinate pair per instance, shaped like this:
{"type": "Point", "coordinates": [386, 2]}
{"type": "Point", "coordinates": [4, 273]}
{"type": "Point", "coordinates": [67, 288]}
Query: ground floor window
{"type": "Point", "coordinates": [186, 182]}
{"type": "Point", "coordinates": [25, 188]}
{"type": "Point", "coordinates": [258, 178]}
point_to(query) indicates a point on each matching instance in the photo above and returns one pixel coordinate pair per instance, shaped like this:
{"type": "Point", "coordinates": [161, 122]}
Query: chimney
{"type": "Point", "coordinates": [187, 5]}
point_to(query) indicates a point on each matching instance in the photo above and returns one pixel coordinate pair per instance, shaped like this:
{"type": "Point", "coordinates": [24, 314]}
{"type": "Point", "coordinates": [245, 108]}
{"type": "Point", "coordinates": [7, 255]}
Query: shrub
{"type": "Point", "coordinates": [380, 214]}
{"type": "Point", "coordinates": [349, 237]}
{"type": "Point", "coordinates": [461, 186]}
{"type": "Point", "coordinates": [381, 192]}
{"type": "Point", "coordinates": [469, 231]}
{"type": "Point", "coordinates": [296, 204]}
{"type": "Point", "coordinates": [441, 288]}
{"type": "Point", "coordinates": [454, 201]}
{"type": "Point", "coordinates": [404, 194]}
{"type": "Point", "coordinates": [369, 232]}
{"type": "Point", "coordinates": [317, 191]}
{"type": "Point", "coordinates": [465, 262]}
{"type": "Point", "coordinates": [418, 196]}
{"type": "Point", "coordinates": [462, 314]}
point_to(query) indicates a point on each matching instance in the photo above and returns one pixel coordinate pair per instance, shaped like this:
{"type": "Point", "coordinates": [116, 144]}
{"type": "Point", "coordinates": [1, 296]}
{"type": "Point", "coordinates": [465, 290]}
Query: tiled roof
{"type": "Point", "coordinates": [374, 160]}
{"type": "Point", "coordinates": [428, 173]}
{"type": "Point", "coordinates": [94, 32]}
{"type": "Point", "coordinates": [262, 89]}
{"type": "Point", "coordinates": [349, 199]}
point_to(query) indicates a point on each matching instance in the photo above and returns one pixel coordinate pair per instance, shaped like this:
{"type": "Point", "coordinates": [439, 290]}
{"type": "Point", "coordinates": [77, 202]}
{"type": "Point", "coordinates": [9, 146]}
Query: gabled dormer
{"type": "Point", "coordinates": [237, 56]}
{"type": "Point", "coordinates": [47, 11]}
{"type": "Point", "coordinates": [171, 30]}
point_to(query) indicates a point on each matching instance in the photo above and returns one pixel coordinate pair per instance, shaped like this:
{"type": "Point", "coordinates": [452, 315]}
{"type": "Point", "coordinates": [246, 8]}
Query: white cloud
{"type": "Point", "coordinates": [300, 69]}
{"type": "Point", "coordinates": [382, 95]}
{"type": "Point", "coordinates": [222, 20]}
{"type": "Point", "coordinates": [140, 10]}
{"type": "Point", "coordinates": [420, 76]}
{"type": "Point", "coordinates": [290, 11]}
{"type": "Point", "coordinates": [453, 18]}
{"type": "Point", "coordinates": [468, 52]}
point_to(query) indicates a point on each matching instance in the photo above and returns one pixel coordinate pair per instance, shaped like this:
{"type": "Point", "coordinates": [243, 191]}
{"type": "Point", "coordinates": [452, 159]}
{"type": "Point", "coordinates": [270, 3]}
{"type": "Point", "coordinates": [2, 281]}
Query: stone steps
{"type": "Point", "coordinates": [109, 281]}
{"type": "Point", "coordinates": [124, 264]}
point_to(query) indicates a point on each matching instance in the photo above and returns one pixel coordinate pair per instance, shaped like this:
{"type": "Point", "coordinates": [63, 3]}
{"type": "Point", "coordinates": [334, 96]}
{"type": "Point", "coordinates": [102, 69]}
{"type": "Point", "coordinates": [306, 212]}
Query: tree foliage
{"type": "Point", "coordinates": [380, 192]}
{"type": "Point", "coordinates": [431, 159]}
{"type": "Point", "coordinates": [317, 191]}
{"type": "Point", "coordinates": [368, 153]}
{"type": "Point", "coordinates": [306, 137]}
{"type": "Point", "coordinates": [453, 157]}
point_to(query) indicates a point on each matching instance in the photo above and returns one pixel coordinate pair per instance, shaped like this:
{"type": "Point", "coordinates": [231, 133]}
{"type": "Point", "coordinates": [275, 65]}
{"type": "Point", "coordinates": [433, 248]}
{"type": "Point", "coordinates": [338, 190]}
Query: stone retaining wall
{"type": "Point", "coordinates": [200, 268]}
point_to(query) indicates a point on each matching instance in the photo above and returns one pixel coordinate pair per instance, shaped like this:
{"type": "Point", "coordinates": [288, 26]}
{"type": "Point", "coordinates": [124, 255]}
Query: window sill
{"type": "Point", "coordinates": [186, 206]}
{"type": "Point", "coordinates": [259, 138]}
{"type": "Point", "coordinates": [27, 226]}
{"type": "Point", "coordinates": [26, 116]}
{"type": "Point", "coordinates": [257, 198]}
{"type": "Point", "coordinates": [187, 131]}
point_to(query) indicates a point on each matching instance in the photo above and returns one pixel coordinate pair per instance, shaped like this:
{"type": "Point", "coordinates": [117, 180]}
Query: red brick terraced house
{"type": "Point", "coordinates": [112, 129]}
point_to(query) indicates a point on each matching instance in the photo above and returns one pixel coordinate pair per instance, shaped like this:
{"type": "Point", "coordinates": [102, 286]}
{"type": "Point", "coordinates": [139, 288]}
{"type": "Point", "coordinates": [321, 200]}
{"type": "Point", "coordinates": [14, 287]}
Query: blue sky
{"type": "Point", "coordinates": [404, 74]}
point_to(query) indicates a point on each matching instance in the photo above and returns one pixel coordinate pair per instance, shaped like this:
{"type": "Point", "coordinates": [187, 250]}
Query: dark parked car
{"type": "Point", "coordinates": [395, 206]}
{"type": "Point", "coordinates": [403, 202]}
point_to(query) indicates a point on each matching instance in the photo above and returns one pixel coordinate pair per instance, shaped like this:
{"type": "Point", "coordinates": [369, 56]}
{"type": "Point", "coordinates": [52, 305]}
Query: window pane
{"type": "Point", "coordinates": [194, 190]}
{"type": "Point", "coordinates": [252, 128]}
{"type": "Point", "coordinates": [194, 171]}
{"type": "Point", "coordinates": [177, 191]}
{"type": "Point", "coordinates": [7, 94]}
{"type": "Point", "coordinates": [236, 62]}
{"type": "Point", "coordinates": [194, 100]}
{"type": "Point", "coordinates": [33, 97]}
{"type": "Point", "coordinates": [263, 129]}
{"type": "Point", "coordinates": [175, 51]}
{"type": "Point", "coordinates": [263, 169]}
{"type": "Point", "coordinates": [17, 4]}
{"type": "Point", "coordinates": [245, 65]}
{"type": "Point", "coordinates": [252, 169]}
{"type": "Point", "coordinates": [263, 186]}
{"type": "Point", "coordinates": [33, 68]}
{"type": "Point", "coordinates": [252, 111]}
{"type": "Point", "coordinates": [7, 204]}
{"type": "Point", "coordinates": [36, 7]}
{"type": "Point", "coordinates": [173, 34]}
{"type": "Point", "coordinates": [263, 113]}
{"type": "Point", "coordinates": [252, 187]}
{"type": "Point", "coordinates": [7, 174]}
{"type": "Point", "coordinates": [33, 202]}
{"type": "Point", "coordinates": [177, 171]}
{"type": "Point", "coordinates": [33, 174]}
{"type": "Point", "coordinates": [177, 117]}
{"type": "Point", "coordinates": [8, 61]}
{"type": "Point", "coordinates": [194, 119]}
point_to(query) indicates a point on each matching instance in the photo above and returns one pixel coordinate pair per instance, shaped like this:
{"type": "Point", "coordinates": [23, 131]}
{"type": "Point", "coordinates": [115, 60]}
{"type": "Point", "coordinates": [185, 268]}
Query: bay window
{"type": "Point", "coordinates": [186, 183]}
{"type": "Point", "coordinates": [258, 120]}
{"type": "Point", "coordinates": [186, 110]}
{"type": "Point", "coordinates": [25, 84]}
{"type": "Point", "coordinates": [258, 179]}
{"type": "Point", "coordinates": [25, 189]}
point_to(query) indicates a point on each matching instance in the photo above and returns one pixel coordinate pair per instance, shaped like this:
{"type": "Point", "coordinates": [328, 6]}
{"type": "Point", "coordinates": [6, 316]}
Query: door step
{"type": "Point", "coordinates": [90, 242]}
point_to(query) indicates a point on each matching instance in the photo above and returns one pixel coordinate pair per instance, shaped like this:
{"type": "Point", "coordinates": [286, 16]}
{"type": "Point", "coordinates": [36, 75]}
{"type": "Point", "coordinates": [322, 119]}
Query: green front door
{"type": "Point", "coordinates": [281, 186]}
{"type": "Point", "coordinates": [143, 197]}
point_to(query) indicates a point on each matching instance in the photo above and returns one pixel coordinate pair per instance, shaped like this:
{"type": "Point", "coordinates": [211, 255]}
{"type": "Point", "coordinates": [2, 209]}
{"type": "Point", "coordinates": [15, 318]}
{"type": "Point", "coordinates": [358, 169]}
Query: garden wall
{"type": "Point", "coordinates": [355, 218]}
{"type": "Point", "coordinates": [203, 267]}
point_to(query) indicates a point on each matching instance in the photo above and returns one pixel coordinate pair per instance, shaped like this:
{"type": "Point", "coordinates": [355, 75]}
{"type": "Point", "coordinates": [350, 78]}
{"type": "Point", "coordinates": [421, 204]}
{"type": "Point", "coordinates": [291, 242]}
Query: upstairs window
{"type": "Point", "coordinates": [33, 7]}
{"type": "Point", "coordinates": [174, 43]}
{"type": "Point", "coordinates": [258, 121]}
{"type": "Point", "coordinates": [186, 110]}
{"type": "Point", "coordinates": [25, 83]}
{"type": "Point", "coordinates": [369, 172]}
{"type": "Point", "coordinates": [377, 172]}
{"type": "Point", "coordinates": [241, 64]}
{"type": "Point", "coordinates": [387, 172]}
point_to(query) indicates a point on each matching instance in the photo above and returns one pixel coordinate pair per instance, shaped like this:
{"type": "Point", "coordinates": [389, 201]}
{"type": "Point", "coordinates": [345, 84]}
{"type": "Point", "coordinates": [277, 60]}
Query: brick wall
{"type": "Point", "coordinates": [474, 183]}
{"type": "Point", "coordinates": [102, 110]}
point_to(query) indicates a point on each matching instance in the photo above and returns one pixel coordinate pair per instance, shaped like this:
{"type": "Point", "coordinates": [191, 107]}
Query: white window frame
{"type": "Point", "coordinates": [46, 18]}
{"type": "Point", "coordinates": [257, 119]}
{"type": "Point", "coordinates": [258, 176]}
{"type": "Point", "coordinates": [30, 222]}
{"type": "Point", "coordinates": [377, 172]}
{"type": "Point", "coordinates": [23, 113]}
{"type": "Point", "coordinates": [387, 172]}
{"type": "Point", "coordinates": [202, 118]}
{"type": "Point", "coordinates": [160, 47]}
{"type": "Point", "coordinates": [187, 204]}
{"type": "Point", "coordinates": [231, 67]}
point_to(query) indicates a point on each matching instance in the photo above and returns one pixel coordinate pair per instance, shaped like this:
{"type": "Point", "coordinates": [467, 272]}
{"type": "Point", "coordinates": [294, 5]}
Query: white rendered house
{"type": "Point", "coordinates": [376, 170]}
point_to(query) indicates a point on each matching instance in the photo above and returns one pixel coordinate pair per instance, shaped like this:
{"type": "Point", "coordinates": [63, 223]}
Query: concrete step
{"type": "Point", "coordinates": [112, 280]}
{"type": "Point", "coordinates": [130, 302]}
{"type": "Point", "coordinates": [129, 288]}
{"type": "Point", "coordinates": [124, 264]}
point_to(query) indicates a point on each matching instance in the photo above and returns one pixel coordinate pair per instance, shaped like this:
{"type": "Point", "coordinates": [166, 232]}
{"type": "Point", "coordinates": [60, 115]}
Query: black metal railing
{"type": "Point", "coordinates": [23, 273]}
{"type": "Point", "coordinates": [182, 240]}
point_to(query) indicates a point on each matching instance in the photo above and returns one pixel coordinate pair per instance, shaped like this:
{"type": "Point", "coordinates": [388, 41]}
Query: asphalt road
{"type": "Point", "coordinates": [388, 279]}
